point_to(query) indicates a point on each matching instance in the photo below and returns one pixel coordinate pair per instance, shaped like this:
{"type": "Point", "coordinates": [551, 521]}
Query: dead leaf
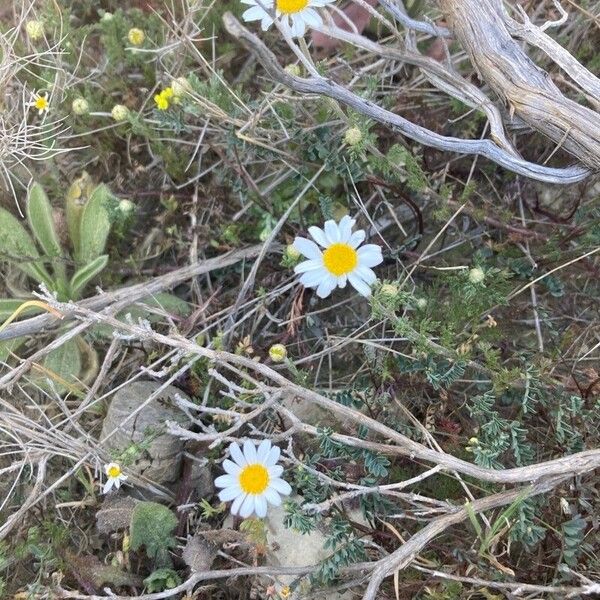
{"type": "Point", "coordinates": [94, 575]}
{"type": "Point", "coordinates": [115, 514]}
{"type": "Point", "coordinates": [199, 554]}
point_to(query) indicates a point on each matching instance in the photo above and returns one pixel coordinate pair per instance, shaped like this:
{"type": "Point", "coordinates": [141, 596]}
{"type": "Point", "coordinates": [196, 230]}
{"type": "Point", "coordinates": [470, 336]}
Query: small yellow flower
{"type": "Point", "coordinates": [162, 103]}
{"type": "Point", "coordinates": [35, 30]}
{"type": "Point", "coordinates": [119, 112]}
{"type": "Point", "coordinates": [80, 106]}
{"type": "Point", "coordinates": [353, 136]}
{"type": "Point", "coordinates": [278, 353]}
{"type": "Point", "coordinates": [285, 592]}
{"type": "Point", "coordinates": [40, 102]}
{"type": "Point", "coordinates": [136, 36]}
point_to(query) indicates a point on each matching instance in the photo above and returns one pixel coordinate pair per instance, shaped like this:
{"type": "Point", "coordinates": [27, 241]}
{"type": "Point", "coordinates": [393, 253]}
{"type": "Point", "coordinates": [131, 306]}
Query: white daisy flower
{"type": "Point", "coordinates": [294, 15]}
{"type": "Point", "coordinates": [253, 479]}
{"type": "Point", "coordinates": [341, 260]}
{"type": "Point", "coordinates": [114, 477]}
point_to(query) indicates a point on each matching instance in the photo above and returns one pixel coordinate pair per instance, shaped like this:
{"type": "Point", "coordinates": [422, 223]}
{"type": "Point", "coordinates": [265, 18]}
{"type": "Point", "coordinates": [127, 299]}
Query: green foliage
{"type": "Point", "coordinates": [573, 534]}
{"type": "Point", "coordinates": [297, 519]}
{"type": "Point", "coordinates": [152, 526]}
{"type": "Point", "coordinates": [348, 549]}
{"type": "Point", "coordinates": [94, 226]}
{"type": "Point", "coordinates": [161, 580]}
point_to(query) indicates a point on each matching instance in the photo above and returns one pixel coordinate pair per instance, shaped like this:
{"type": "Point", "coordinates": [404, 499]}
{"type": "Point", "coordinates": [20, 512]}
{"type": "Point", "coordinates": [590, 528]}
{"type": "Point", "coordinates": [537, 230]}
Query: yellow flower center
{"type": "Point", "coordinates": [114, 471]}
{"type": "Point", "coordinates": [288, 7]}
{"type": "Point", "coordinates": [41, 103]}
{"type": "Point", "coordinates": [254, 479]}
{"type": "Point", "coordinates": [340, 259]}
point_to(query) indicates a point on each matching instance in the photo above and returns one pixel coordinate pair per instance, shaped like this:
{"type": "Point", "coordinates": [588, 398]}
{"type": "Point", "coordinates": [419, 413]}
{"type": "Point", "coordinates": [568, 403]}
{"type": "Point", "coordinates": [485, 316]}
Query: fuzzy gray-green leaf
{"type": "Point", "coordinates": [84, 275]}
{"type": "Point", "coordinates": [95, 225]}
{"type": "Point", "coordinates": [39, 214]}
{"type": "Point", "coordinates": [17, 246]}
{"type": "Point", "coordinates": [64, 362]}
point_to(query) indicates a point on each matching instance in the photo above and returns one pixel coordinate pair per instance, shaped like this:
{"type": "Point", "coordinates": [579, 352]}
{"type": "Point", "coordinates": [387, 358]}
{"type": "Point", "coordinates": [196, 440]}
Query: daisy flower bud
{"type": "Point", "coordinates": [476, 275]}
{"type": "Point", "coordinates": [114, 477]}
{"type": "Point", "coordinates": [35, 30]}
{"type": "Point", "coordinates": [119, 112]}
{"type": "Point", "coordinates": [126, 207]}
{"type": "Point", "coordinates": [253, 478]}
{"type": "Point", "coordinates": [292, 253]}
{"type": "Point", "coordinates": [389, 289]}
{"type": "Point", "coordinates": [353, 136]}
{"type": "Point", "coordinates": [180, 87]}
{"type": "Point", "coordinates": [136, 36]}
{"type": "Point", "coordinates": [293, 70]}
{"type": "Point", "coordinates": [80, 106]}
{"type": "Point", "coordinates": [107, 16]}
{"type": "Point", "coordinates": [421, 303]}
{"type": "Point", "coordinates": [278, 353]}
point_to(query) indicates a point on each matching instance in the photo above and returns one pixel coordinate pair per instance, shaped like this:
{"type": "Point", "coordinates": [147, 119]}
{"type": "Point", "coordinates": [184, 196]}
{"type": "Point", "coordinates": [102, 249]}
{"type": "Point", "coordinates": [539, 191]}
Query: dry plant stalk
{"type": "Point", "coordinates": [528, 91]}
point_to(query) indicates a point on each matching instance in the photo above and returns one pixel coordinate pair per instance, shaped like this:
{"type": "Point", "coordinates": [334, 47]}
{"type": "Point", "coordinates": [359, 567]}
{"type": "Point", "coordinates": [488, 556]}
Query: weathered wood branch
{"type": "Point", "coordinates": [527, 90]}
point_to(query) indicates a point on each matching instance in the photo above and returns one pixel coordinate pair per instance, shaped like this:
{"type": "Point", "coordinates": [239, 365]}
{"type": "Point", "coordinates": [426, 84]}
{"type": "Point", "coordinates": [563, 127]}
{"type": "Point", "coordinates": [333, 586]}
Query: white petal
{"type": "Point", "coordinates": [247, 507]}
{"type": "Point", "coordinates": [266, 22]}
{"type": "Point", "coordinates": [342, 280]}
{"type": "Point", "coordinates": [256, 13]}
{"type": "Point", "coordinates": [117, 483]}
{"type": "Point", "coordinates": [272, 497]}
{"type": "Point", "coordinates": [237, 455]}
{"type": "Point", "coordinates": [108, 486]}
{"type": "Point", "coordinates": [370, 255]}
{"type": "Point", "coordinates": [326, 286]}
{"type": "Point", "coordinates": [298, 26]}
{"type": "Point", "coordinates": [366, 274]}
{"type": "Point", "coordinates": [357, 238]}
{"type": "Point", "coordinates": [235, 507]}
{"type": "Point", "coordinates": [345, 226]}
{"type": "Point", "coordinates": [318, 235]}
{"type": "Point", "coordinates": [273, 456]}
{"type": "Point", "coordinates": [314, 278]}
{"type": "Point", "coordinates": [260, 506]}
{"type": "Point", "coordinates": [263, 451]}
{"type": "Point", "coordinates": [307, 247]}
{"type": "Point", "coordinates": [250, 452]}
{"type": "Point", "coordinates": [226, 481]}
{"type": "Point", "coordinates": [312, 18]}
{"type": "Point", "coordinates": [275, 471]}
{"type": "Point", "coordinates": [359, 285]}
{"type": "Point", "coordinates": [332, 233]}
{"type": "Point", "coordinates": [281, 486]}
{"type": "Point", "coordinates": [230, 493]}
{"type": "Point", "coordinates": [308, 265]}
{"type": "Point", "coordinates": [231, 467]}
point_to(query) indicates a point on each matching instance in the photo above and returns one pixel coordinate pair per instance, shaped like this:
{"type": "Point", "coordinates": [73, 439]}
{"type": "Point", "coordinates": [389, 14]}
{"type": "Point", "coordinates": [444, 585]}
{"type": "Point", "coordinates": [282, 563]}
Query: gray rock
{"type": "Point", "coordinates": [159, 454]}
